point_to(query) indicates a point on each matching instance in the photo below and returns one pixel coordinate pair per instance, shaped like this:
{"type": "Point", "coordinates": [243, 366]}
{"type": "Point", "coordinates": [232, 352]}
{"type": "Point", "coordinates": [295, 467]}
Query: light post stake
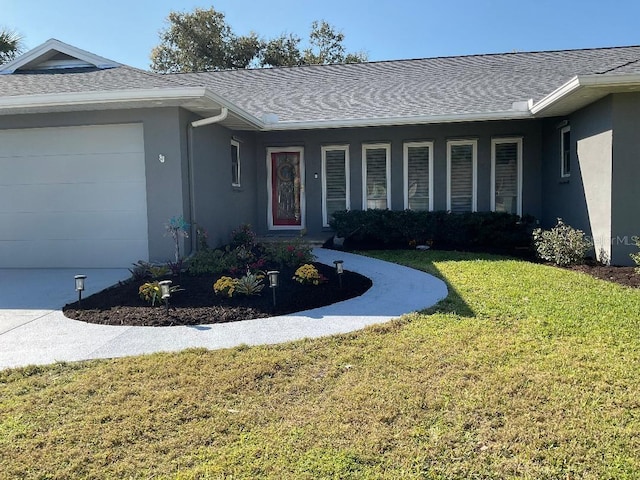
{"type": "Point", "coordinates": [80, 287]}
{"type": "Point", "coordinates": [339, 270]}
{"type": "Point", "coordinates": [273, 283]}
{"type": "Point", "coordinates": [165, 292]}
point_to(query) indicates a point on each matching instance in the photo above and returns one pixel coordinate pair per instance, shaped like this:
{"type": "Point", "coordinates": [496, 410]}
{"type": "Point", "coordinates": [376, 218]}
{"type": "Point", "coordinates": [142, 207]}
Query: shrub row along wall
{"type": "Point", "coordinates": [408, 228]}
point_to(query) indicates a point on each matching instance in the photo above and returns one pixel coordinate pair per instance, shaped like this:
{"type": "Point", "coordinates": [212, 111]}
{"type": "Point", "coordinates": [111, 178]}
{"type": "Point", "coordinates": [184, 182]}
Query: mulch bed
{"type": "Point", "coordinates": [197, 304]}
{"type": "Point", "coordinates": [626, 276]}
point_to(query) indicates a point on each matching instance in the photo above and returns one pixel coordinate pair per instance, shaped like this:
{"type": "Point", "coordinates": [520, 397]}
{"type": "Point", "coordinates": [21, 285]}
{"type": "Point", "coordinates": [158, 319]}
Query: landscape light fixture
{"type": "Point", "coordinates": [165, 292]}
{"type": "Point", "coordinates": [339, 270]}
{"type": "Point", "coordinates": [80, 287]}
{"type": "Point", "coordinates": [273, 283]}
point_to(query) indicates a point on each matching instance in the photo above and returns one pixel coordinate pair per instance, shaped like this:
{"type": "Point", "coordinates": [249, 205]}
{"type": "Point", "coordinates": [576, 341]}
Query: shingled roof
{"type": "Point", "coordinates": [422, 87]}
{"type": "Point", "coordinates": [474, 87]}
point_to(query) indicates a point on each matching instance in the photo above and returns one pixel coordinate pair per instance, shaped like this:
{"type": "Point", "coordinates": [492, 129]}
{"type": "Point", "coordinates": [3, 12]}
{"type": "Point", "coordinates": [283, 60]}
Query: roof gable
{"type": "Point", "coordinates": [56, 55]}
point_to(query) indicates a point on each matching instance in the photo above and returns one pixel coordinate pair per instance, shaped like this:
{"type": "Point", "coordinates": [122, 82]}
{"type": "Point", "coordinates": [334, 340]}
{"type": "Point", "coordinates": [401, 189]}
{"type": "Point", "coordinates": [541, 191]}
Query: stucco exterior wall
{"type": "Point", "coordinates": [626, 175]}
{"type": "Point", "coordinates": [219, 207]}
{"type": "Point", "coordinates": [312, 141]}
{"type": "Point", "coordinates": [583, 200]}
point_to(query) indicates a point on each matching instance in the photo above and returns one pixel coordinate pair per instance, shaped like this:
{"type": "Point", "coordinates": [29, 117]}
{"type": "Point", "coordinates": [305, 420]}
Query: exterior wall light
{"type": "Point", "coordinates": [80, 287]}
{"type": "Point", "coordinates": [339, 269]}
{"type": "Point", "coordinates": [165, 292]}
{"type": "Point", "coordinates": [273, 283]}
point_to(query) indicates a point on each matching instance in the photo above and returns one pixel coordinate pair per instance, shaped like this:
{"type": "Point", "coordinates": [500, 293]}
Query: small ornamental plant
{"type": "Point", "coordinates": [250, 284]}
{"type": "Point", "coordinates": [307, 274]}
{"type": "Point", "coordinates": [225, 286]}
{"type": "Point", "coordinates": [151, 292]}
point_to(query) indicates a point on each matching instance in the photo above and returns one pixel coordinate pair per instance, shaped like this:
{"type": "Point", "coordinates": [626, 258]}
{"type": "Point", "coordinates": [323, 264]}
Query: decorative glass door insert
{"type": "Point", "coordinates": [286, 188]}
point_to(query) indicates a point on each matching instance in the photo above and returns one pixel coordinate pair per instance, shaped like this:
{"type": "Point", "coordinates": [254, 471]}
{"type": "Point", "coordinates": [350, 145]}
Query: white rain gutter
{"type": "Point", "coordinates": [580, 82]}
{"type": "Point", "coordinates": [208, 121]}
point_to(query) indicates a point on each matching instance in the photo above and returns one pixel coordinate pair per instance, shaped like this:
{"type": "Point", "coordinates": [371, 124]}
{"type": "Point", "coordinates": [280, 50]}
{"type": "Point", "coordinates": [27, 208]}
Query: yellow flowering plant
{"type": "Point", "coordinates": [307, 274]}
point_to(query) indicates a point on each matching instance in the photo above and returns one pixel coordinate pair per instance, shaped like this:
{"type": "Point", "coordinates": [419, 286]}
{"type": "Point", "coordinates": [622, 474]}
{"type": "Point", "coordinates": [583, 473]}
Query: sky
{"type": "Point", "coordinates": [127, 30]}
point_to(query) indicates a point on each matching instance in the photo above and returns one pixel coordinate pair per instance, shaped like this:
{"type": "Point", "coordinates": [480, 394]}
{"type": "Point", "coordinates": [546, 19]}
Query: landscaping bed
{"type": "Point", "coordinates": [197, 304]}
{"type": "Point", "coordinates": [626, 276]}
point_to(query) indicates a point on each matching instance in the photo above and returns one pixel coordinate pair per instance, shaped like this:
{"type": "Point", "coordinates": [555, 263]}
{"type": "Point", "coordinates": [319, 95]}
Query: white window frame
{"type": "Point", "coordinates": [405, 153]}
{"type": "Point", "coordinates": [373, 146]}
{"type": "Point", "coordinates": [303, 197]}
{"type": "Point", "coordinates": [494, 143]}
{"type": "Point", "coordinates": [324, 150]}
{"type": "Point", "coordinates": [236, 144]}
{"type": "Point", "coordinates": [563, 172]}
{"type": "Point", "coordinates": [474, 175]}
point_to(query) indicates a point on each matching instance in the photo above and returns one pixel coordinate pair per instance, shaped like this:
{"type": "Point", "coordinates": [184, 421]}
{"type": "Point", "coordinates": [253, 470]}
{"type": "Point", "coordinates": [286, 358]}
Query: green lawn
{"type": "Point", "coordinates": [525, 371]}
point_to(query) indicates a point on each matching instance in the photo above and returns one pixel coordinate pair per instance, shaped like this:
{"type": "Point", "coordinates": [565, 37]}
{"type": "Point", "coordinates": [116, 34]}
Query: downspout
{"type": "Point", "coordinates": [192, 203]}
{"type": "Point", "coordinates": [208, 121]}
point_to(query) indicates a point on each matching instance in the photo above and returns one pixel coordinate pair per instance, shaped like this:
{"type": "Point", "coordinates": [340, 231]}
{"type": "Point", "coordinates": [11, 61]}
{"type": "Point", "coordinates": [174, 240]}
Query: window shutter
{"type": "Point", "coordinates": [336, 181]}
{"type": "Point", "coordinates": [376, 178]}
{"type": "Point", "coordinates": [418, 177]}
{"type": "Point", "coordinates": [506, 177]}
{"type": "Point", "coordinates": [461, 178]}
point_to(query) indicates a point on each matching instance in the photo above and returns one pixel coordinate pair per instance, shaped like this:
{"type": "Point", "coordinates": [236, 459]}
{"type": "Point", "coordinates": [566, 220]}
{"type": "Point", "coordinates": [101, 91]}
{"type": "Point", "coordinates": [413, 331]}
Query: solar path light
{"type": "Point", "coordinates": [339, 269]}
{"type": "Point", "coordinates": [80, 287]}
{"type": "Point", "coordinates": [273, 283]}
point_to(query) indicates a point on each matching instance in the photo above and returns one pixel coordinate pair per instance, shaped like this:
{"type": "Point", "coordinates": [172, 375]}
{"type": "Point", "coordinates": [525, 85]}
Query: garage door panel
{"type": "Point", "coordinates": [85, 197]}
{"type": "Point", "coordinates": [73, 197]}
{"type": "Point", "coordinates": [69, 226]}
{"type": "Point", "coordinates": [104, 253]}
{"type": "Point", "coordinates": [85, 140]}
{"type": "Point", "coordinates": [107, 167]}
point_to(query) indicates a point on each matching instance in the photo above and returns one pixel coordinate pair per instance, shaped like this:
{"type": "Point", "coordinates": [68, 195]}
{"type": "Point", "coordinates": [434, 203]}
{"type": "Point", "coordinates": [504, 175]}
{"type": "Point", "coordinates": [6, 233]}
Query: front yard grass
{"type": "Point", "coordinates": [525, 371]}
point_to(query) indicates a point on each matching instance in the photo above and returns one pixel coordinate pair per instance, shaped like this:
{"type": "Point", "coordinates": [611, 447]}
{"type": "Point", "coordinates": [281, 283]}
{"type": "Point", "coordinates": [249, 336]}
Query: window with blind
{"type": "Point", "coordinates": [376, 182]}
{"type": "Point", "coordinates": [418, 173]}
{"type": "Point", "coordinates": [506, 168]}
{"type": "Point", "coordinates": [461, 176]}
{"type": "Point", "coordinates": [335, 180]}
{"type": "Point", "coordinates": [235, 163]}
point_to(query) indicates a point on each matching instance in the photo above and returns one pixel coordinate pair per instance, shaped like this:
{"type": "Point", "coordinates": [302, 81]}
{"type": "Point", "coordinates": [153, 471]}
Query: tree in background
{"type": "Point", "coordinates": [202, 41]}
{"type": "Point", "coordinates": [10, 45]}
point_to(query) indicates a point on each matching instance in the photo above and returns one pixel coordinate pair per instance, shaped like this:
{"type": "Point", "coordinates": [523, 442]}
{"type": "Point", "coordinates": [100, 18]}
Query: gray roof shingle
{"type": "Point", "coordinates": [431, 86]}
{"type": "Point", "coordinates": [472, 84]}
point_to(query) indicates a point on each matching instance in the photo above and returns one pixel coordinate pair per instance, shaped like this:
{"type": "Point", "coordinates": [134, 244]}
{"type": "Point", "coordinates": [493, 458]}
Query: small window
{"type": "Point", "coordinates": [565, 152]}
{"type": "Point", "coordinates": [461, 175]}
{"type": "Point", "coordinates": [506, 174]}
{"type": "Point", "coordinates": [235, 163]}
{"type": "Point", "coordinates": [376, 181]}
{"type": "Point", "coordinates": [335, 180]}
{"type": "Point", "coordinates": [418, 175]}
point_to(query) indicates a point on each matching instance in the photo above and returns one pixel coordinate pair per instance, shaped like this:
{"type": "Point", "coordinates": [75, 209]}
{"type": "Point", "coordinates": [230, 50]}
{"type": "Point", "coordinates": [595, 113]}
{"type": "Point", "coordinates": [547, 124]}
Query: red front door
{"type": "Point", "coordinates": [286, 189]}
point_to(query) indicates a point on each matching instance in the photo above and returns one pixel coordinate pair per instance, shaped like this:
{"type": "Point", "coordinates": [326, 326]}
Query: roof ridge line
{"type": "Point", "coordinates": [604, 72]}
{"type": "Point", "coordinates": [402, 60]}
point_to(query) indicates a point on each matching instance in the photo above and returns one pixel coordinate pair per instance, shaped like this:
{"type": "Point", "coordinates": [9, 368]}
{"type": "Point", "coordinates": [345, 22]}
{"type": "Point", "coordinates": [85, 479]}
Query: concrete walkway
{"type": "Point", "coordinates": [33, 330]}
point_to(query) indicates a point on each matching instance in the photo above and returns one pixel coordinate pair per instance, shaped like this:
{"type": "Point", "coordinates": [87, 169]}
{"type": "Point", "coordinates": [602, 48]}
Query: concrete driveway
{"type": "Point", "coordinates": [33, 330]}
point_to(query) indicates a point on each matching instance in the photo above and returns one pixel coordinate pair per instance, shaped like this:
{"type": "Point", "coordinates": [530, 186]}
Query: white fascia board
{"type": "Point", "coordinates": [391, 121]}
{"type": "Point", "coordinates": [585, 81]}
{"type": "Point", "coordinates": [99, 97]}
{"type": "Point", "coordinates": [559, 93]}
{"type": "Point", "coordinates": [57, 45]}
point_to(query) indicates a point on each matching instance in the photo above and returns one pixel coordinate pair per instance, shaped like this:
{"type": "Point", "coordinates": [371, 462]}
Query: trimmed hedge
{"type": "Point", "coordinates": [408, 228]}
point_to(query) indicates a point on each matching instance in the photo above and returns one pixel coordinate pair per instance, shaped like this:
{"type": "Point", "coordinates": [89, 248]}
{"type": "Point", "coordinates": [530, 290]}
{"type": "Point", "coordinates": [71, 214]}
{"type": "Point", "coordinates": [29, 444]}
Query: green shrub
{"type": "Point", "coordinates": [636, 256]}
{"type": "Point", "coordinates": [408, 228]}
{"type": "Point", "coordinates": [563, 244]}
{"type": "Point", "coordinates": [211, 262]}
{"type": "Point", "coordinates": [289, 254]}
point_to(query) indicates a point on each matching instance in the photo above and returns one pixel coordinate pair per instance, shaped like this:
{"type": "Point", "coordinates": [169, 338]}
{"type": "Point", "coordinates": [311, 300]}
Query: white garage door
{"type": "Point", "coordinates": [73, 197]}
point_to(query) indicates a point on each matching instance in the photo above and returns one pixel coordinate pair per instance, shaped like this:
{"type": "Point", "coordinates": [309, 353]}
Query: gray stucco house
{"type": "Point", "coordinates": [96, 156]}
